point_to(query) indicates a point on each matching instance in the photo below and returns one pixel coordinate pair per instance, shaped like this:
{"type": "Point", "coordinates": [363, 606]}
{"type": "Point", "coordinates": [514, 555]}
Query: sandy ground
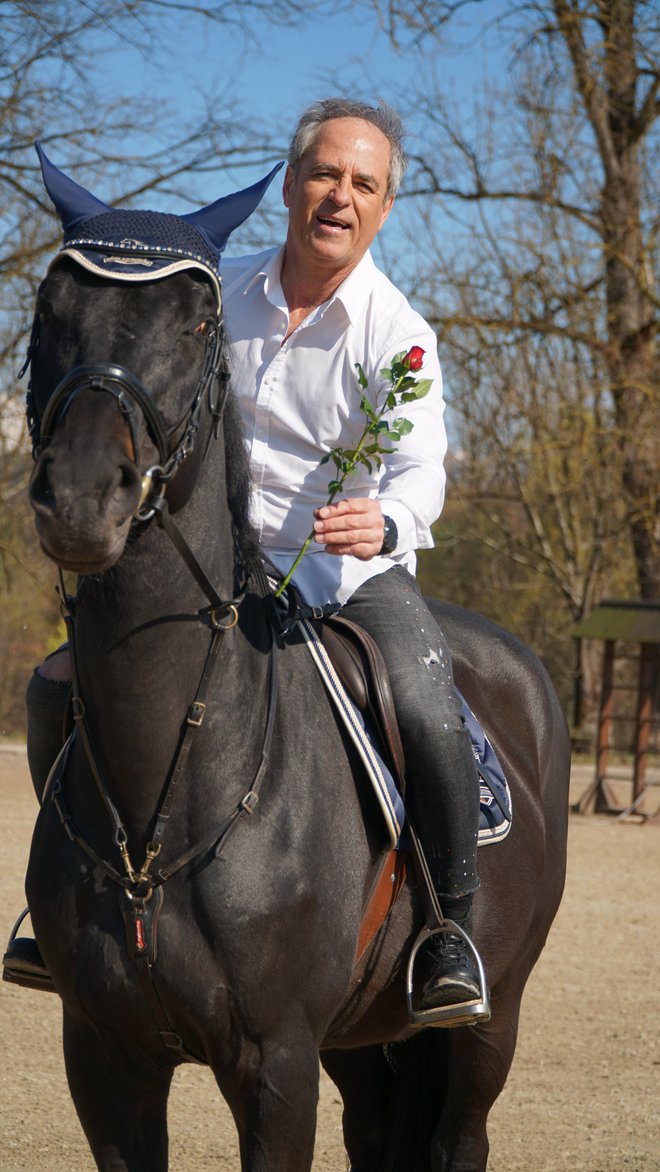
{"type": "Point", "coordinates": [584, 1090]}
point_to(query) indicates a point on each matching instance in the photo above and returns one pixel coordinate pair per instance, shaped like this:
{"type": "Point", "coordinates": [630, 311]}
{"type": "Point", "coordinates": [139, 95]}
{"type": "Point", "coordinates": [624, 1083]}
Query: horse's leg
{"type": "Point", "coordinates": [363, 1079]}
{"type": "Point", "coordinates": [273, 1092]}
{"type": "Point", "coordinates": [479, 1062]}
{"type": "Point", "coordinates": [121, 1101]}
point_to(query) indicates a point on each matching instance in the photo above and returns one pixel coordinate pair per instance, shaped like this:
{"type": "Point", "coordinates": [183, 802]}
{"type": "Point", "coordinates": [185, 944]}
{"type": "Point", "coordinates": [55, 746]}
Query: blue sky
{"type": "Point", "coordinates": [274, 73]}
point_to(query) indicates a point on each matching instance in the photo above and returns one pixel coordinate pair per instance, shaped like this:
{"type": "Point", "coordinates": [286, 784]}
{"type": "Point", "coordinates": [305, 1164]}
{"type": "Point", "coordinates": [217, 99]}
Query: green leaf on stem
{"type": "Point", "coordinates": [402, 426]}
{"type": "Point", "coordinates": [362, 378]}
{"type": "Point", "coordinates": [368, 407]}
{"type": "Point", "coordinates": [421, 389]}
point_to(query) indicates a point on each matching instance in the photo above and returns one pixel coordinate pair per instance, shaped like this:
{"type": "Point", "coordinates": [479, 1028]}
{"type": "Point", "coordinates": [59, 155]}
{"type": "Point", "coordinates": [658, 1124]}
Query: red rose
{"type": "Point", "coordinates": [414, 358]}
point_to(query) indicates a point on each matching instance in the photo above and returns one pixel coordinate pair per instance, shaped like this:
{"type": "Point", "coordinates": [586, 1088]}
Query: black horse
{"type": "Point", "coordinates": [203, 857]}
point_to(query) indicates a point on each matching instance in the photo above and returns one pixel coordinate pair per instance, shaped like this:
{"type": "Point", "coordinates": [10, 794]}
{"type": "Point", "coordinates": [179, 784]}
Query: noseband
{"type": "Point", "coordinates": [132, 398]}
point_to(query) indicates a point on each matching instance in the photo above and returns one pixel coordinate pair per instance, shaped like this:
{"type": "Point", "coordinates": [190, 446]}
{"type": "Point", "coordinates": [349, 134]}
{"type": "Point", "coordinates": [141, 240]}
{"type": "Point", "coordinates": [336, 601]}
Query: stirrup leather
{"type": "Point", "coordinates": [464, 1012]}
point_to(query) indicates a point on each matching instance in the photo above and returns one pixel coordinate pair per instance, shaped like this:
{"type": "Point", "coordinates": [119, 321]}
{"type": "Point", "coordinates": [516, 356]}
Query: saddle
{"type": "Point", "coordinates": [361, 668]}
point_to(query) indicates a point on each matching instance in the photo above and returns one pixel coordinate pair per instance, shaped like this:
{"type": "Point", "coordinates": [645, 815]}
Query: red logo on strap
{"type": "Point", "coordinates": [139, 935]}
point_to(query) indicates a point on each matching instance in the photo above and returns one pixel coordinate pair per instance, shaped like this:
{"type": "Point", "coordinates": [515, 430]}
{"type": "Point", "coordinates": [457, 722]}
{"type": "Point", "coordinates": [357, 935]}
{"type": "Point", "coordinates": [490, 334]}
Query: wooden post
{"type": "Point", "coordinates": [604, 724]}
{"type": "Point", "coordinates": [598, 797]}
{"type": "Point", "coordinates": [648, 656]}
{"type": "Point", "coordinates": [629, 623]}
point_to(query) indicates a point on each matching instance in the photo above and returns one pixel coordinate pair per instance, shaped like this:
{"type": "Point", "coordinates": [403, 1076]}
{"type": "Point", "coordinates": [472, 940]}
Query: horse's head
{"type": "Point", "coordinates": [126, 357]}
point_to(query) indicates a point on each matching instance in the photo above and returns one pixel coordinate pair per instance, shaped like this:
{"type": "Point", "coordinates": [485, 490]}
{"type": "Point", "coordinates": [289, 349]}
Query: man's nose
{"type": "Point", "coordinates": [340, 192]}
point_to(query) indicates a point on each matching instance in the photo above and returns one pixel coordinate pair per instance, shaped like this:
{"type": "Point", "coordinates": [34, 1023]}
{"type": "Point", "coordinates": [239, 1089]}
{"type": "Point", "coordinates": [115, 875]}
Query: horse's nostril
{"type": "Point", "coordinates": [125, 491]}
{"type": "Point", "coordinates": [42, 497]}
{"type": "Point", "coordinates": [129, 477]}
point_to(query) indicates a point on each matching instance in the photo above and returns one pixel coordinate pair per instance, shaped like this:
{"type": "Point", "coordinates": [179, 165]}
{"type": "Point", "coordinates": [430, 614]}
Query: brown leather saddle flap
{"type": "Point", "coordinates": [384, 895]}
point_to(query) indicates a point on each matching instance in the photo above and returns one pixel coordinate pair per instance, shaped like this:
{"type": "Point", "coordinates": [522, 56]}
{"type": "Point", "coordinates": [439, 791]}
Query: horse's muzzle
{"type": "Point", "coordinates": [84, 509]}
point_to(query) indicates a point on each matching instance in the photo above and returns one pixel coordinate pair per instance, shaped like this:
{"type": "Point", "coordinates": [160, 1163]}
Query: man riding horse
{"type": "Point", "coordinates": [300, 317]}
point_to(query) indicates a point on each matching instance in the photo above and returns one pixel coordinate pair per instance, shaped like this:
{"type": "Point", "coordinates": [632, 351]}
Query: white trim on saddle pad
{"type": "Point", "coordinates": [493, 825]}
{"type": "Point", "coordinates": [386, 793]}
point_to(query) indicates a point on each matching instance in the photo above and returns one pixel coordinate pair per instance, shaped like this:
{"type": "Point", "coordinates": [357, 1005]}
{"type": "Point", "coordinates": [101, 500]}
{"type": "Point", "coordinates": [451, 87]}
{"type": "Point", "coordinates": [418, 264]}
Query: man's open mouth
{"type": "Point", "coordinates": [328, 222]}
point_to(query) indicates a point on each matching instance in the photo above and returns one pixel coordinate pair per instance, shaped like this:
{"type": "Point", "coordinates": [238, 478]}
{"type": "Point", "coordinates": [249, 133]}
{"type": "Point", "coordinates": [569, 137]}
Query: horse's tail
{"type": "Point", "coordinates": [418, 1087]}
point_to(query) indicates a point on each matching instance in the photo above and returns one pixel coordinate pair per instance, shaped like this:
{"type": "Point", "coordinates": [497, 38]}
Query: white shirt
{"type": "Point", "coordinates": [299, 399]}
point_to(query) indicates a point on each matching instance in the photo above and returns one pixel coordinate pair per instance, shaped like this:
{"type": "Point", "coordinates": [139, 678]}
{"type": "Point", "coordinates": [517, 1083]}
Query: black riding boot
{"type": "Point", "coordinates": [47, 703]}
{"type": "Point", "coordinates": [446, 817]}
{"type": "Point", "coordinates": [454, 976]}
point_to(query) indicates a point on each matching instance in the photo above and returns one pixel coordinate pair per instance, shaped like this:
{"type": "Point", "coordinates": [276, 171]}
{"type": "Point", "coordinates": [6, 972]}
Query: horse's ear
{"type": "Point", "coordinates": [72, 202]}
{"type": "Point", "coordinates": [218, 220]}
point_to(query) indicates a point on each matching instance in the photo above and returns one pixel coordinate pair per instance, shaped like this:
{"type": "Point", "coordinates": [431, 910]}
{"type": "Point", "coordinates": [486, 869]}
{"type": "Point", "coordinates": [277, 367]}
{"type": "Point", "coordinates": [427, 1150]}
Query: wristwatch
{"type": "Point", "coordinates": [390, 536]}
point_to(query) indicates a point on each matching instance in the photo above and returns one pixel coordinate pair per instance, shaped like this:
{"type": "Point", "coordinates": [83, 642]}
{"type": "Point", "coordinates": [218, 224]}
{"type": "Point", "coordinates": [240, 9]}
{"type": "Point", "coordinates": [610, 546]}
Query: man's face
{"type": "Point", "coordinates": [336, 194]}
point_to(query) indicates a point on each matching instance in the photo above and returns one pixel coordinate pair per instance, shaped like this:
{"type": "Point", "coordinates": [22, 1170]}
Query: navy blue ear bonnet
{"type": "Point", "coordinates": [143, 245]}
{"type": "Point", "coordinates": [139, 245]}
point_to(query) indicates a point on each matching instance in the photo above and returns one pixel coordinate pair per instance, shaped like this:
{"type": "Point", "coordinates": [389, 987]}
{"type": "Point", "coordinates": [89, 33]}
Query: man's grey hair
{"type": "Point", "coordinates": [384, 117]}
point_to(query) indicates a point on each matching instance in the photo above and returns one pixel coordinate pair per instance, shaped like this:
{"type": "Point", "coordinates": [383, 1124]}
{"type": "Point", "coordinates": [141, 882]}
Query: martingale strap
{"type": "Point", "coordinates": [194, 720]}
{"type": "Point", "coordinates": [142, 891]}
{"type": "Point", "coordinates": [141, 916]}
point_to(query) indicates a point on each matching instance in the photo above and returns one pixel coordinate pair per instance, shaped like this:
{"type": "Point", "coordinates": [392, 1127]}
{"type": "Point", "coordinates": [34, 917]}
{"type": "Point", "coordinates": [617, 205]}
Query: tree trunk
{"type": "Point", "coordinates": [619, 122]}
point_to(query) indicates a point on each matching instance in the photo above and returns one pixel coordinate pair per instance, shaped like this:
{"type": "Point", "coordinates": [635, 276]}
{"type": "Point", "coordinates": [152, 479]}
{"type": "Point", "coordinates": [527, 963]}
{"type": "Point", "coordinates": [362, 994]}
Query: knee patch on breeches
{"type": "Point", "coordinates": [48, 705]}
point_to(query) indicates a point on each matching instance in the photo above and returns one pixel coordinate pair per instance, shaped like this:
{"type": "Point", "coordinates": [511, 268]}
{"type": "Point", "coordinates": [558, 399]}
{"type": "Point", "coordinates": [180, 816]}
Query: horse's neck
{"type": "Point", "coordinates": [141, 647]}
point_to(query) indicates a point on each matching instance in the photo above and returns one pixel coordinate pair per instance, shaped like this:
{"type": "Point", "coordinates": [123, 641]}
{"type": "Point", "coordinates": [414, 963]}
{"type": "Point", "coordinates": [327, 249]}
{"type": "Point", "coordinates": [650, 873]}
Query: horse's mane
{"type": "Point", "coordinates": [239, 487]}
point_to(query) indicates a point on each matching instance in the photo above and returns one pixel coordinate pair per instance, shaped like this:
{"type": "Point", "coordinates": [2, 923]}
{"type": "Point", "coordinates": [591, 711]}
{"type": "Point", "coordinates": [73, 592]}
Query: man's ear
{"type": "Point", "coordinates": [387, 208]}
{"type": "Point", "coordinates": [289, 177]}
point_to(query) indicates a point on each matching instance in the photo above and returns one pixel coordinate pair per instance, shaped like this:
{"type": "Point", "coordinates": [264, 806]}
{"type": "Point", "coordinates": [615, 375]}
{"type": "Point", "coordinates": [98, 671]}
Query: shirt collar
{"type": "Point", "coordinates": [355, 288]}
{"type": "Point", "coordinates": [268, 274]}
{"type": "Point", "coordinates": [351, 293]}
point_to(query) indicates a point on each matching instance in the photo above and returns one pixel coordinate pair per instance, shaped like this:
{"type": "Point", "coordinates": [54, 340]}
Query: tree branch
{"type": "Point", "coordinates": [482, 193]}
{"type": "Point", "coordinates": [569, 21]}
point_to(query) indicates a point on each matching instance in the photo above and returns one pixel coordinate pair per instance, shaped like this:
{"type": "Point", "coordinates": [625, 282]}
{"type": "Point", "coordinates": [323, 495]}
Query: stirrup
{"type": "Point", "coordinates": [26, 980]}
{"type": "Point", "coordinates": [449, 1016]}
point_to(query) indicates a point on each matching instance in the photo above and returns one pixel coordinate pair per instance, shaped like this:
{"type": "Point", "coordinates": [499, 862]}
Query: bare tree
{"type": "Point", "coordinates": [619, 85]}
{"type": "Point", "coordinates": [559, 229]}
{"type": "Point", "coordinates": [54, 56]}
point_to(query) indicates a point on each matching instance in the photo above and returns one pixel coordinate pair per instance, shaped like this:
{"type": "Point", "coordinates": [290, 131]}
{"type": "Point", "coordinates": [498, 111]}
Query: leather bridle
{"type": "Point", "coordinates": [130, 394]}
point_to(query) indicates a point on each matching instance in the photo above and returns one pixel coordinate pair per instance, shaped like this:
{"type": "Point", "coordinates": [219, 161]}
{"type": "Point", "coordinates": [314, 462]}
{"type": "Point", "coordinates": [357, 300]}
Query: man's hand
{"type": "Point", "coordinates": [354, 527]}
